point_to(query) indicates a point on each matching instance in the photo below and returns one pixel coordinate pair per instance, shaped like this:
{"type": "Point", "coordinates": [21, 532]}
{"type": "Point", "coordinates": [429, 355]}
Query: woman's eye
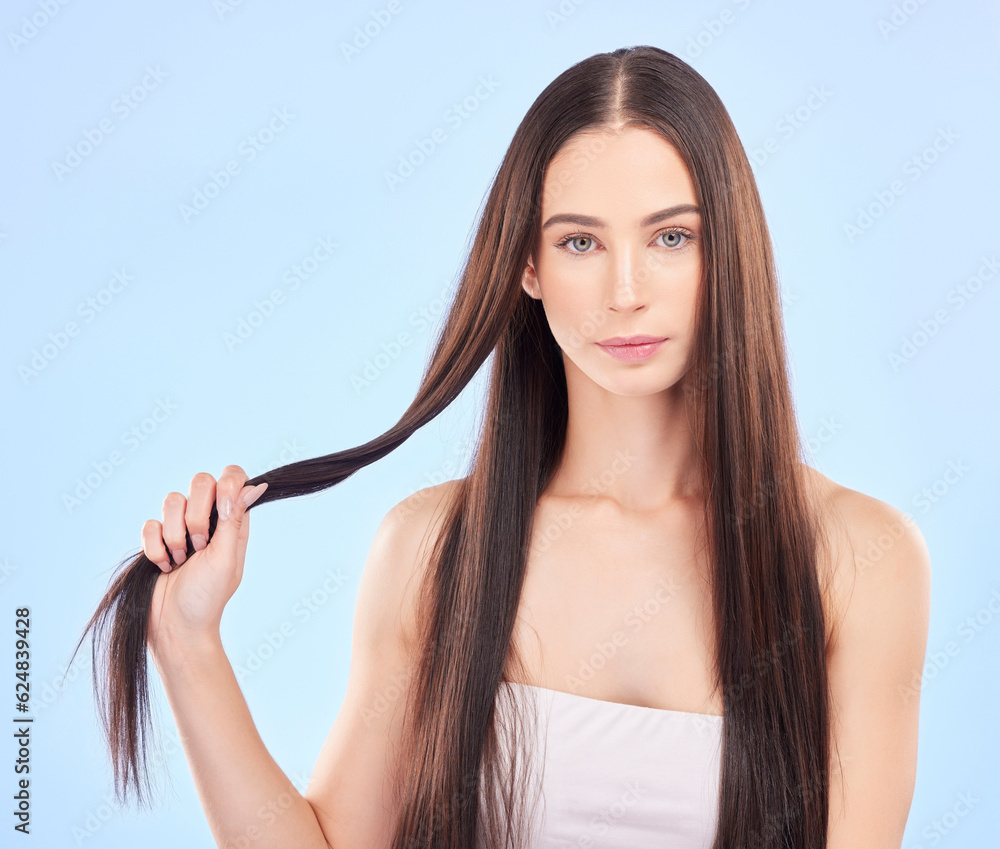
{"type": "Point", "coordinates": [579, 244]}
{"type": "Point", "coordinates": [678, 239]}
{"type": "Point", "coordinates": [672, 238]}
{"type": "Point", "coordinates": [575, 240]}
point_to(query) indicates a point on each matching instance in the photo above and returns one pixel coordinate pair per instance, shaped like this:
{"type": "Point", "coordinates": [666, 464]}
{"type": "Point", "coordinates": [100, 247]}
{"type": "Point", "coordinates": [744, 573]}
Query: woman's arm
{"type": "Point", "coordinates": [248, 800]}
{"type": "Point", "coordinates": [350, 802]}
{"type": "Point", "coordinates": [350, 787]}
{"type": "Point", "coordinates": [875, 666]}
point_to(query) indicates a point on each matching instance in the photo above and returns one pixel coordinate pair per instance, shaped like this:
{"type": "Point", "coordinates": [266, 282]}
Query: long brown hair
{"type": "Point", "coordinates": [763, 535]}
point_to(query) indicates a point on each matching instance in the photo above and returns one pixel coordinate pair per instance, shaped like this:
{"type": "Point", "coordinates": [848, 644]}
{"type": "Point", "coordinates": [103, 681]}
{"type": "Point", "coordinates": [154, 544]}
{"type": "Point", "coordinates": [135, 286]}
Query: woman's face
{"type": "Point", "coordinates": [613, 261]}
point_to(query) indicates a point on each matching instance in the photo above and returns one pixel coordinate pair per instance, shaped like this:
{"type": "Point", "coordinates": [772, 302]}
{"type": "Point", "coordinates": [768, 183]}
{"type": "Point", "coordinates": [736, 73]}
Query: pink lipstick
{"type": "Point", "coordinates": [632, 348]}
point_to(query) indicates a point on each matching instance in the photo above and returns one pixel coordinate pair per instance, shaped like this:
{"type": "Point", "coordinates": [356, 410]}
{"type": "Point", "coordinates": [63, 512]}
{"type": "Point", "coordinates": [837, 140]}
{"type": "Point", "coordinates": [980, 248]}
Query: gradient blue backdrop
{"type": "Point", "coordinates": [166, 95]}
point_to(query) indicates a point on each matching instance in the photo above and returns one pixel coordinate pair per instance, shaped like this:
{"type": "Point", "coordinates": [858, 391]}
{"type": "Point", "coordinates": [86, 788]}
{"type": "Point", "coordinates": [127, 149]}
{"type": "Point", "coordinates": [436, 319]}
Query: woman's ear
{"type": "Point", "coordinates": [529, 281]}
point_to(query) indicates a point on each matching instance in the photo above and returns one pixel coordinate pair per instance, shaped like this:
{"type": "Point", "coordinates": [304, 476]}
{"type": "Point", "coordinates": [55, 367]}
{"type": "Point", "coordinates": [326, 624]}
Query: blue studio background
{"type": "Point", "coordinates": [200, 188]}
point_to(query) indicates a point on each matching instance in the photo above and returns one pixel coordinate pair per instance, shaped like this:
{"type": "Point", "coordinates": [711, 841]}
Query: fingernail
{"type": "Point", "coordinates": [225, 508]}
{"type": "Point", "coordinates": [199, 541]}
{"type": "Point", "coordinates": [178, 555]}
{"type": "Point", "coordinates": [251, 495]}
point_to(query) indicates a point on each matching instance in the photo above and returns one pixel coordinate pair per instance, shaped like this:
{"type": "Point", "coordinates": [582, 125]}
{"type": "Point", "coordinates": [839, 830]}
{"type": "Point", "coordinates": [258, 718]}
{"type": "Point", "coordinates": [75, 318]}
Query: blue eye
{"type": "Point", "coordinates": [686, 235]}
{"type": "Point", "coordinates": [574, 238]}
{"type": "Point", "coordinates": [673, 233]}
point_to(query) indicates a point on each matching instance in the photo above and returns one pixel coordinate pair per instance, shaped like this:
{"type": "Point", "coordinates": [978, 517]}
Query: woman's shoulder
{"type": "Point", "coordinates": [858, 531]}
{"type": "Point", "coordinates": [404, 542]}
{"type": "Point", "coordinates": [852, 516]}
{"type": "Point", "coordinates": [412, 526]}
{"type": "Point", "coordinates": [849, 504]}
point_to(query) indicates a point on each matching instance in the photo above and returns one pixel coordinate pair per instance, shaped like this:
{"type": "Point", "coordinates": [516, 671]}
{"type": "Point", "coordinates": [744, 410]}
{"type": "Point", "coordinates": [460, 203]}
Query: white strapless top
{"type": "Point", "coordinates": [606, 774]}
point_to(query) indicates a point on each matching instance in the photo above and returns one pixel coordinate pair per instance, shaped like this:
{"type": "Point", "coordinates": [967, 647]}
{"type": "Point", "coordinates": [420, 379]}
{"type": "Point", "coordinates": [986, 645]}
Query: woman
{"type": "Point", "coordinates": [641, 619]}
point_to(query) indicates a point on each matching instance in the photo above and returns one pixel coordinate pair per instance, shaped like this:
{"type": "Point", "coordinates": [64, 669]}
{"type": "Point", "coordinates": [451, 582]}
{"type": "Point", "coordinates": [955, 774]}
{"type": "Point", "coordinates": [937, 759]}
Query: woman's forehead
{"type": "Point", "coordinates": [623, 175]}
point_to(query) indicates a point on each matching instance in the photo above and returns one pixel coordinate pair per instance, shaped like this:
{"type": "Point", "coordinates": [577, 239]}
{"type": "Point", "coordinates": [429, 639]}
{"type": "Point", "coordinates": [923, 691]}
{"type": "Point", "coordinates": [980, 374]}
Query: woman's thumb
{"type": "Point", "coordinates": [232, 501]}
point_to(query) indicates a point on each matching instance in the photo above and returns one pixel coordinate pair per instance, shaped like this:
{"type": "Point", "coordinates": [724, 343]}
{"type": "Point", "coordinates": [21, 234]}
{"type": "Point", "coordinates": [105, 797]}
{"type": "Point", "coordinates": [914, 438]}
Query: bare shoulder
{"type": "Point", "coordinates": [403, 544]}
{"type": "Point", "coordinates": [880, 602]}
{"type": "Point", "coordinates": [354, 787]}
{"type": "Point", "coordinates": [865, 538]}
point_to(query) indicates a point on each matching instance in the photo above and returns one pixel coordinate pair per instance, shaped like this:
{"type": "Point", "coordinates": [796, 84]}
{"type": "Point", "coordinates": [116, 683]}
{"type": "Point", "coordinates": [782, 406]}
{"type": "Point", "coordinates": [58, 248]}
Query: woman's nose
{"type": "Point", "coordinates": [627, 285]}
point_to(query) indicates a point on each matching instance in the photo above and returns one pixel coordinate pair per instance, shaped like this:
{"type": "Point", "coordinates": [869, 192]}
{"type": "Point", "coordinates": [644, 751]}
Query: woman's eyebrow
{"type": "Point", "coordinates": [591, 221]}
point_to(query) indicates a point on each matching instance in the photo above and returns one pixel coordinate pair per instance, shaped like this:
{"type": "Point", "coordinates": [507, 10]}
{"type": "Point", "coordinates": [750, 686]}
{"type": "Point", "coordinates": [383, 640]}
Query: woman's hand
{"type": "Point", "coordinates": [189, 601]}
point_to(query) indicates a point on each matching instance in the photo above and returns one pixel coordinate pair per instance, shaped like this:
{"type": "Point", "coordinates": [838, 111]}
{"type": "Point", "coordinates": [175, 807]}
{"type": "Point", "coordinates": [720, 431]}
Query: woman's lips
{"type": "Point", "coordinates": [632, 348]}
